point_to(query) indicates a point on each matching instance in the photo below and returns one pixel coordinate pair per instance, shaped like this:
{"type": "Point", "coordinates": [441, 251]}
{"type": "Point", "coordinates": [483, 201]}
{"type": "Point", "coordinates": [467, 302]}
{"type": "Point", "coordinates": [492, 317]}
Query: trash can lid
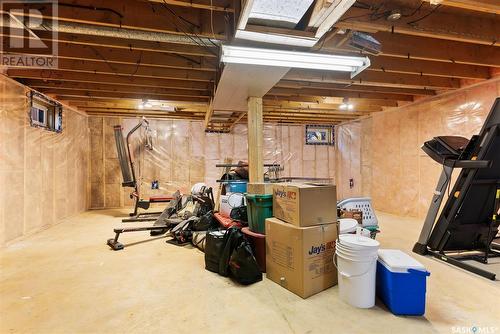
{"type": "Point", "coordinates": [398, 261]}
{"type": "Point", "coordinates": [347, 225]}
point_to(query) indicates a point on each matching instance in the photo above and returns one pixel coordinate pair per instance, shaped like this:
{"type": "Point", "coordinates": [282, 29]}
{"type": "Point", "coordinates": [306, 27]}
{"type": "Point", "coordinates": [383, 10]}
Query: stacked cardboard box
{"type": "Point", "coordinates": [300, 239]}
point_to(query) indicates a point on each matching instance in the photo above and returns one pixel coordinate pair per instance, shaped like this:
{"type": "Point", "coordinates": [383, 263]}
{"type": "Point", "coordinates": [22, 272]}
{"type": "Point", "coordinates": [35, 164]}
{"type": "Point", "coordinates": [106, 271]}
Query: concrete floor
{"type": "Point", "coordinates": [66, 280]}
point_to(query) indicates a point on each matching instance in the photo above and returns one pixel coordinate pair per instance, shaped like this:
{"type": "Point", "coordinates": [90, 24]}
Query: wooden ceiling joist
{"type": "Point", "coordinates": [356, 88]}
{"type": "Point", "coordinates": [129, 44]}
{"type": "Point", "coordinates": [425, 48]}
{"type": "Point", "coordinates": [436, 24]}
{"type": "Point", "coordinates": [384, 102]}
{"type": "Point", "coordinates": [145, 16]}
{"type": "Point", "coordinates": [72, 69]}
{"type": "Point", "coordinates": [133, 57]}
{"type": "Point", "coordinates": [215, 5]}
{"type": "Point", "coordinates": [486, 6]}
{"type": "Point", "coordinates": [428, 68]}
{"type": "Point", "coordinates": [50, 89]}
{"type": "Point", "coordinates": [87, 104]}
{"type": "Point", "coordinates": [69, 95]}
{"type": "Point", "coordinates": [375, 79]}
{"type": "Point", "coordinates": [86, 79]}
{"type": "Point", "coordinates": [289, 92]}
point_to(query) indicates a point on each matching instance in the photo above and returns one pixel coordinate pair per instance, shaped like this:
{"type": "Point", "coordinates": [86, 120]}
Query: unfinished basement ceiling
{"type": "Point", "coordinates": [168, 51]}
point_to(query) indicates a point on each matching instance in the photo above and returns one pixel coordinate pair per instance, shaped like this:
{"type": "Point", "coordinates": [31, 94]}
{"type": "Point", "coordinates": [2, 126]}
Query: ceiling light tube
{"type": "Point", "coordinates": [307, 60]}
{"type": "Point", "coordinates": [276, 38]}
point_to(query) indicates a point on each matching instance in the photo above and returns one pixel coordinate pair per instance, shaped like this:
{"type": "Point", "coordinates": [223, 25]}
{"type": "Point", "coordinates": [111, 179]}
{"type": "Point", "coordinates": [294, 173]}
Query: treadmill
{"type": "Point", "coordinates": [468, 222]}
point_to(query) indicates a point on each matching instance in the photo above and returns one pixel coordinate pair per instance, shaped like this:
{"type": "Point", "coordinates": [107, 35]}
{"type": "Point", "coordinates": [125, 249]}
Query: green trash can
{"type": "Point", "coordinates": [259, 207]}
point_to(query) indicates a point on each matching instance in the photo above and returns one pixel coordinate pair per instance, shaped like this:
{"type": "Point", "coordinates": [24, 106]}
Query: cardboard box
{"type": "Point", "coordinates": [305, 204]}
{"type": "Point", "coordinates": [300, 259]}
{"type": "Point", "coordinates": [260, 188]}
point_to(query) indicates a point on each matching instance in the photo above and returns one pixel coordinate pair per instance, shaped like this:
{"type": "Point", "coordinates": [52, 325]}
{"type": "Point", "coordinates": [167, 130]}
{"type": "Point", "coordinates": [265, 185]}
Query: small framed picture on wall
{"type": "Point", "coordinates": [320, 135]}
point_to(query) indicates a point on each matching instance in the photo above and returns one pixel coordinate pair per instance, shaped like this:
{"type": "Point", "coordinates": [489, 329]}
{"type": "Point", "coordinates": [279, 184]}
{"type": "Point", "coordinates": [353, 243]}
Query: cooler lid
{"type": "Point", "coordinates": [398, 261]}
{"type": "Point", "coordinates": [347, 225]}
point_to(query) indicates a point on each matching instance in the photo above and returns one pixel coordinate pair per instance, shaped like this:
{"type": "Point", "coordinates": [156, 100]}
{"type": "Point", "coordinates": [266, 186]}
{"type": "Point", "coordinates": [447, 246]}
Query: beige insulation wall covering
{"type": "Point", "coordinates": [184, 154]}
{"type": "Point", "coordinates": [43, 175]}
{"type": "Point", "coordinates": [382, 153]}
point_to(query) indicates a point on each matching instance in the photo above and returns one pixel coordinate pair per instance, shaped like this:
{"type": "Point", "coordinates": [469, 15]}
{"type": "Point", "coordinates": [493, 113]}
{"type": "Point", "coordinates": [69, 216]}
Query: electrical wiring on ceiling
{"type": "Point", "coordinates": [183, 30]}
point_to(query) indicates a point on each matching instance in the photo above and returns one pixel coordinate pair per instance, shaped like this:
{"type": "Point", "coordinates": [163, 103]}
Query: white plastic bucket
{"type": "Point", "coordinates": [357, 265]}
{"type": "Point", "coordinates": [356, 256]}
{"type": "Point", "coordinates": [347, 225]}
{"type": "Point", "coordinates": [355, 241]}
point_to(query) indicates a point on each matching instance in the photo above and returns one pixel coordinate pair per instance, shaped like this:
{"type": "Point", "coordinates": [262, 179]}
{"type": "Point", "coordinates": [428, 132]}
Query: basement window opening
{"type": "Point", "coordinates": [44, 113]}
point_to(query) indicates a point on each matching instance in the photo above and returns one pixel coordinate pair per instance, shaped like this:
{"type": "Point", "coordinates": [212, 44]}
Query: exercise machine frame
{"type": "Point", "coordinates": [446, 238]}
{"type": "Point", "coordinates": [129, 177]}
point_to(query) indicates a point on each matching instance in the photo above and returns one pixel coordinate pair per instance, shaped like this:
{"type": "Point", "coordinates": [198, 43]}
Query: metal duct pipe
{"type": "Point", "coordinates": [95, 30]}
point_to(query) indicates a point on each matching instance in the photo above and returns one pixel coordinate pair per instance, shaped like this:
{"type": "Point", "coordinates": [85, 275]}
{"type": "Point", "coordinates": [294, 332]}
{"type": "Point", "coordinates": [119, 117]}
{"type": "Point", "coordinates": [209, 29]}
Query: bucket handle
{"type": "Point", "coordinates": [347, 275]}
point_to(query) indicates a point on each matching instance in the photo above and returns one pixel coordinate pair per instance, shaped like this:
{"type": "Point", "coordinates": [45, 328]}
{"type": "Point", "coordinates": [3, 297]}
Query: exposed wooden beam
{"type": "Point", "coordinates": [75, 68]}
{"type": "Point", "coordinates": [339, 115]}
{"type": "Point", "coordinates": [86, 79]}
{"type": "Point", "coordinates": [79, 95]}
{"type": "Point", "coordinates": [116, 42]}
{"type": "Point", "coordinates": [427, 68]}
{"type": "Point", "coordinates": [183, 111]}
{"type": "Point", "coordinates": [439, 24]}
{"type": "Point", "coordinates": [486, 6]}
{"type": "Point", "coordinates": [425, 48]}
{"type": "Point", "coordinates": [356, 88]}
{"type": "Point", "coordinates": [145, 114]}
{"type": "Point", "coordinates": [415, 47]}
{"type": "Point", "coordinates": [145, 16]}
{"type": "Point", "coordinates": [218, 5]}
{"type": "Point", "coordinates": [87, 104]}
{"type": "Point", "coordinates": [375, 79]}
{"type": "Point", "coordinates": [289, 92]}
{"type": "Point", "coordinates": [318, 106]}
{"type": "Point", "coordinates": [384, 102]}
{"type": "Point", "coordinates": [121, 89]}
{"type": "Point", "coordinates": [133, 57]}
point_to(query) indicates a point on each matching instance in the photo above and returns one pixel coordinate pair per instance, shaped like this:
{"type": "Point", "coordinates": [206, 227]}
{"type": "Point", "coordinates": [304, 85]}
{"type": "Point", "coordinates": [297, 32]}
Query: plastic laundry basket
{"type": "Point", "coordinates": [259, 207]}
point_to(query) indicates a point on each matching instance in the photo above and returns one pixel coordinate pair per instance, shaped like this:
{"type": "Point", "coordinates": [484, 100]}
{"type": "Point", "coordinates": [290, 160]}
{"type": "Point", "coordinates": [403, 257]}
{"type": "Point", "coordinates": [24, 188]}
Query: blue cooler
{"type": "Point", "coordinates": [401, 282]}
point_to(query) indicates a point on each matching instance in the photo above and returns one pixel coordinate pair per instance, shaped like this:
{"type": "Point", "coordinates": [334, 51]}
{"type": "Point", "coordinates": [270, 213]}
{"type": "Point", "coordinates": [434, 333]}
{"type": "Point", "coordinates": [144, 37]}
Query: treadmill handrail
{"type": "Point", "coordinates": [468, 164]}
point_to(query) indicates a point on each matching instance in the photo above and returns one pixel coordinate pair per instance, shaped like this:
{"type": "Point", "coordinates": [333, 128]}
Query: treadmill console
{"type": "Point", "coordinates": [445, 148]}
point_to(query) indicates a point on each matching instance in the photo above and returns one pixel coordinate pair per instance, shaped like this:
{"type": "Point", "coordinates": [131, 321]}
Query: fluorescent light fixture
{"type": "Point", "coordinates": [275, 38]}
{"type": "Point", "coordinates": [290, 11]}
{"type": "Point", "coordinates": [307, 60]}
{"type": "Point", "coordinates": [166, 107]}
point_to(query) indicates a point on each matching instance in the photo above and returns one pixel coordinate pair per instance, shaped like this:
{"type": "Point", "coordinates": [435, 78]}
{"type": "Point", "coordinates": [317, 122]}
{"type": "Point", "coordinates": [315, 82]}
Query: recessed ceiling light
{"type": "Point", "coordinates": [394, 15]}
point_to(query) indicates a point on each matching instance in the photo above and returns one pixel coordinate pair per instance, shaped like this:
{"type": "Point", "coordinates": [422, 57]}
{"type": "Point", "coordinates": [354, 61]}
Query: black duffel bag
{"type": "Point", "coordinates": [214, 244]}
{"type": "Point", "coordinates": [232, 238]}
{"type": "Point", "coordinates": [243, 266]}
